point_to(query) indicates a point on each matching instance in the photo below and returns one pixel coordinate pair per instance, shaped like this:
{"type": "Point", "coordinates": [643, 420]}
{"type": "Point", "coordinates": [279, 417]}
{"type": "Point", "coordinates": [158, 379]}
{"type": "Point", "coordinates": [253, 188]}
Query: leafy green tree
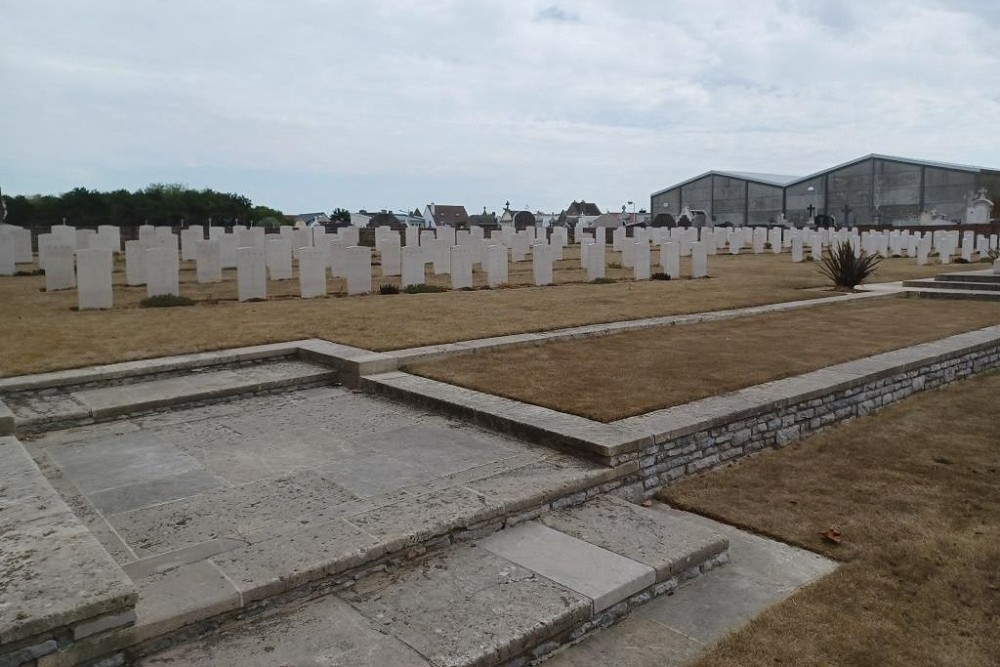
{"type": "Point", "coordinates": [340, 215]}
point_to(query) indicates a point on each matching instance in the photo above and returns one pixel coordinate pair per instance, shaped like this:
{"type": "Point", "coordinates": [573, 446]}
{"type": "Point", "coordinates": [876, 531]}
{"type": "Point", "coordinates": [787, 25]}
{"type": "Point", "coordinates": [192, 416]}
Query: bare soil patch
{"type": "Point", "coordinates": [621, 375]}
{"type": "Point", "coordinates": [41, 331]}
{"type": "Point", "coordinates": [915, 492]}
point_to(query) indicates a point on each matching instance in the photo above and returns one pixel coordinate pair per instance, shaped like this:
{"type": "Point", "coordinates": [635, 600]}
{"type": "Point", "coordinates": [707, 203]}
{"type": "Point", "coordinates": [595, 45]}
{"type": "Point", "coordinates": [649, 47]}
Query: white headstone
{"type": "Point", "coordinates": [640, 257]}
{"type": "Point", "coordinates": [797, 248]}
{"type": "Point", "coordinates": [542, 256]}
{"type": "Point", "coordinates": [359, 269]}
{"type": "Point", "coordinates": [278, 257]}
{"type": "Point", "coordinates": [628, 252]}
{"type": "Point", "coordinates": [670, 259]}
{"type": "Point", "coordinates": [520, 243]}
{"type": "Point", "coordinates": [699, 260]}
{"type": "Point", "coordinates": [8, 266]}
{"type": "Point", "coordinates": [301, 238]}
{"type": "Point", "coordinates": [496, 265]}
{"type": "Point", "coordinates": [441, 253]}
{"type": "Point", "coordinates": [461, 267]}
{"type": "Point", "coordinates": [59, 272]}
{"type": "Point", "coordinates": [412, 235]}
{"type": "Point", "coordinates": [208, 261]}
{"type": "Point", "coordinates": [390, 255]}
{"type": "Point", "coordinates": [228, 245]}
{"type": "Point", "coordinates": [351, 235]}
{"type": "Point", "coordinates": [312, 271]}
{"type": "Point", "coordinates": [147, 232]}
{"type": "Point", "coordinates": [996, 266]}
{"type": "Point", "coordinates": [412, 258]}
{"type": "Point", "coordinates": [595, 260]}
{"type": "Point", "coordinates": [251, 273]}
{"type": "Point", "coordinates": [44, 241]}
{"type": "Point", "coordinates": [189, 242]}
{"type": "Point", "coordinates": [20, 238]}
{"type": "Point", "coordinates": [162, 271]}
{"type": "Point", "coordinates": [94, 267]}
{"type": "Point", "coordinates": [109, 237]}
{"type": "Point", "coordinates": [135, 263]}
{"type": "Point", "coordinates": [338, 258]}
{"type": "Point", "coordinates": [85, 238]}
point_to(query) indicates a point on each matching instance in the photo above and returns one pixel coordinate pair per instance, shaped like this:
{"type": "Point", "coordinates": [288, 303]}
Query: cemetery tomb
{"type": "Point", "coordinates": [358, 265]}
{"type": "Point", "coordinates": [338, 258]}
{"type": "Point", "coordinates": [8, 266]}
{"type": "Point", "coordinates": [441, 252]}
{"type": "Point", "coordinates": [628, 253]}
{"type": "Point", "coordinates": [44, 240]}
{"type": "Point", "coordinates": [208, 261]}
{"type": "Point", "coordinates": [670, 259]}
{"type": "Point", "coordinates": [699, 260]}
{"type": "Point", "coordinates": [412, 260]}
{"type": "Point", "coordinates": [278, 256]}
{"type": "Point", "coordinates": [228, 246]}
{"type": "Point", "coordinates": [595, 261]}
{"type": "Point", "coordinates": [542, 256]}
{"type": "Point", "coordinates": [94, 268]}
{"type": "Point", "coordinates": [189, 242]}
{"type": "Point", "coordinates": [390, 255]}
{"type": "Point", "coordinates": [312, 272]}
{"type": "Point", "coordinates": [85, 238]}
{"type": "Point", "coordinates": [135, 263]}
{"type": "Point", "coordinates": [162, 271]}
{"type": "Point", "coordinates": [412, 236]}
{"type": "Point", "coordinates": [59, 272]}
{"type": "Point", "coordinates": [301, 238]}
{"type": "Point", "coordinates": [461, 268]}
{"type": "Point", "coordinates": [251, 273]}
{"type": "Point", "coordinates": [641, 259]}
{"type": "Point", "coordinates": [797, 248]}
{"type": "Point", "coordinates": [496, 265]}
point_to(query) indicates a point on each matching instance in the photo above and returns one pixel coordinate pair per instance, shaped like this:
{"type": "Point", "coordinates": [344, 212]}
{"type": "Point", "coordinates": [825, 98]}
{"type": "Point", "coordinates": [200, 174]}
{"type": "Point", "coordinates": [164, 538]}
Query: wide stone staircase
{"type": "Point", "coordinates": [978, 285]}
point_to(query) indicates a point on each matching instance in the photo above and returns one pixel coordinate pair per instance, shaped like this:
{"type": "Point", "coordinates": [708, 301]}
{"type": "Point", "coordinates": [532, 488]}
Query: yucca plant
{"type": "Point", "coordinates": [846, 268]}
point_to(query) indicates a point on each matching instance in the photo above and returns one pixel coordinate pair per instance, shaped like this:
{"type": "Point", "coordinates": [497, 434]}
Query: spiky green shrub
{"type": "Point", "coordinates": [660, 275]}
{"type": "Point", "coordinates": [388, 289]}
{"type": "Point", "coordinates": [846, 268]}
{"type": "Point", "coordinates": [602, 281]}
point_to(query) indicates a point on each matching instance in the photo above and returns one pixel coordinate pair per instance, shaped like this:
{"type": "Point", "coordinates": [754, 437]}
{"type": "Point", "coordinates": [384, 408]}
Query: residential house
{"type": "Point", "coordinates": [445, 214]}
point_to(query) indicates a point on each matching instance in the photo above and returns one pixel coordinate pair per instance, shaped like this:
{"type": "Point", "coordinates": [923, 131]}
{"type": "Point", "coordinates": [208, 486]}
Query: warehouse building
{"type": "Point", "coordinates": [872, 190]}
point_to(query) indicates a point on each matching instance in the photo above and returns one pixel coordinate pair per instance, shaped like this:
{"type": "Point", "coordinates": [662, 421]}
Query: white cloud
{"type": "Point", "coordinates": [374, 104]}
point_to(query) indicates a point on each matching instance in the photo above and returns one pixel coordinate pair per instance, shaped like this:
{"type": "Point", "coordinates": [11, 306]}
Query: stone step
{"type": "Point", "coordinates": [518, 594]}
{"type": "Point", "coordinates": [938, 283]}
{"type": "Point", "coordinates": [971, 276]}
{"type": "Point", "coordinates": [59, 407]}
{"type": "Point", "coordinates": [932, 292]}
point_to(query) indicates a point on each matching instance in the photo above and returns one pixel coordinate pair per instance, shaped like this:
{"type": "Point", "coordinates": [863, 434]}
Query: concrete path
{"type": "Point", "coordinates": [672, 631]}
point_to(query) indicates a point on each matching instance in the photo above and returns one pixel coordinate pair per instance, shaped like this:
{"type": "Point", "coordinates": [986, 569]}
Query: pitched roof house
{"type": "Point", "coordinates": [445, 214]}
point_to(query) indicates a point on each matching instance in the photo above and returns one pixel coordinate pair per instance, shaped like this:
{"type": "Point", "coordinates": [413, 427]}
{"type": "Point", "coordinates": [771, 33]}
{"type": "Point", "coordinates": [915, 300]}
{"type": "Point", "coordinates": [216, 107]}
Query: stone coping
{"type": "Point", "coordinates": [58, 583]}
{"type": "Point", "coordinates": [608, 442]}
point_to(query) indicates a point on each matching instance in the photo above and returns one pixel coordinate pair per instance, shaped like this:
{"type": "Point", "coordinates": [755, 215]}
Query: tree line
{"type": "Point", "coordinates": [157, 204]}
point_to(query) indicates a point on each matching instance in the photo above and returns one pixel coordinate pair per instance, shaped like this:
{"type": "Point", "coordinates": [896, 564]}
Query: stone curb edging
{"type": "Point", "coordinates": [897, 374]}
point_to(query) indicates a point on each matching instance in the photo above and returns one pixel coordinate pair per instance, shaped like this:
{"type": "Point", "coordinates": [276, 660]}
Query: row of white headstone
{"type": "Point", "coordinates": [636, 252]}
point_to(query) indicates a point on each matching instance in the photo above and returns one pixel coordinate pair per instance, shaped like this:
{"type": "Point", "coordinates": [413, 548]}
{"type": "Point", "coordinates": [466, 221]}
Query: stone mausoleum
{"type": "Point", "coordinates": [871, 190]}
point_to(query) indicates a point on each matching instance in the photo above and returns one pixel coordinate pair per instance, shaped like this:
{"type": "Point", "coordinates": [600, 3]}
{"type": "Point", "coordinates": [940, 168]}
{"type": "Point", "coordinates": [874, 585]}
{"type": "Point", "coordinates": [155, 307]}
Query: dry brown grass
{"type": "Point", "coordinates": [915, 490]}
{"type": "Point", "coordinates": [41, 332]}
{"type": "Point", "coordinates": [627, 374]}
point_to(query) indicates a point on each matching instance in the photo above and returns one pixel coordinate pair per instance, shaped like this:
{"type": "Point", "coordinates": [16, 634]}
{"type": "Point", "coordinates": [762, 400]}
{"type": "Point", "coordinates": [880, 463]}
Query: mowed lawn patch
{"type": "Point", "coordinates": [621, 375]}
{"type": "Point", "coordinates": [41, 332]}
{"type": "Point", "coordinates": [915, 492]}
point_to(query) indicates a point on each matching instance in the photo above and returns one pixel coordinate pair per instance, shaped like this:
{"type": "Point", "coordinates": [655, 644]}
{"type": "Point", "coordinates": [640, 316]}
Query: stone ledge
{"type": "Point", "coordinates": [598, 441]}
{"type": "Point", "coordinates": [7, 425]}
{"type": "Point", "coordinates": [62, 581]}
{"type": "Point", "coordinates": [146, 367]}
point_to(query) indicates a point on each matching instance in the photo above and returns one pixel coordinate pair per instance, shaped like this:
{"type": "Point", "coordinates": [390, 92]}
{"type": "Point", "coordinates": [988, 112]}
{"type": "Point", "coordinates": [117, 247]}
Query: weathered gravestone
{"type": "Point", "coordinates": [542, 256]}
{"type": "Point", "coordinates": [461, 267]}
{"type": "Point", "coordinates": [162, 272]}
{"type": "Point", "coordinates": [312, 272]}
{"type": "Point", "coordinates": [94, 267]}
{"type": "Point", "coordinates": [208, 261]}
{"type": "Point", "coordinates": [135, 263]}
{"type": "Point", "coordinates": [278, 257]}
{"type": "Point", "coordinates": [59, 272]}
{"type": "Point", "coordinates": [359, 270]}
{"type": "Point", "coordinates": [251, 274]}
{"type": "Point", "coordinates": [412, 258]}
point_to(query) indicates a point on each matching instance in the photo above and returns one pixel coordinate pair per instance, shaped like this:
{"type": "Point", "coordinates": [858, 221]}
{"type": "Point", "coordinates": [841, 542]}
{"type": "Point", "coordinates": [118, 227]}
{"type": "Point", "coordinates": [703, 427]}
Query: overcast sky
{"type": "Point", "coordinates": [306, 105]}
